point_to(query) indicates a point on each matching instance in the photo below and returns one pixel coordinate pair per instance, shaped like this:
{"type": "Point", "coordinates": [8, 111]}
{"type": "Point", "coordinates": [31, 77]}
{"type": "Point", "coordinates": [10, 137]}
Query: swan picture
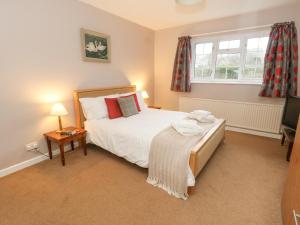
{"type": "Point", "coordinates": [91, 47]}
{"type": "Point", "coordinates": [95, 46]}
{"type": "Point", "coordinates": [100, 47]}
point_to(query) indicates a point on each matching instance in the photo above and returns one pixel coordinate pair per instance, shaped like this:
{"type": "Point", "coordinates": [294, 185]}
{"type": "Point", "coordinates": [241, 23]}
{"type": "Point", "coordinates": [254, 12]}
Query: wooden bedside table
{"type": "Point", "coordinates": [154, 107]}
{"type": "Point", "coordinates": [61, 140]}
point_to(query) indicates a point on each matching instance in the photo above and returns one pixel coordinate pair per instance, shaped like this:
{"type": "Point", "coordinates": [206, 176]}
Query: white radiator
{"type": "Point", "coordinates": [246, 115]}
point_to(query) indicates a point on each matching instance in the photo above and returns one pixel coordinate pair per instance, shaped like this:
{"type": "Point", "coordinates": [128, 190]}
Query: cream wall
{"type": "Point", "coordinates": [165, 48]}
{"type": "Point", "coordinates": [40, 62]}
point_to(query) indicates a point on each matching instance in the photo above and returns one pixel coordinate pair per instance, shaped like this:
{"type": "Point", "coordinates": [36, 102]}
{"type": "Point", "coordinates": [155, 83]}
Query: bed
{"type": "Point", "coordinates": [131, 137]}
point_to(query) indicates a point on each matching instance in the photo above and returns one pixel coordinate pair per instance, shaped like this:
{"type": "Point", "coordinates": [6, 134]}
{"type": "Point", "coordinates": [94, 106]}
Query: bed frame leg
{"type": "Point", "coordinates": [192, 163]}
{"type": "Point", "coordinates": [191, 190]}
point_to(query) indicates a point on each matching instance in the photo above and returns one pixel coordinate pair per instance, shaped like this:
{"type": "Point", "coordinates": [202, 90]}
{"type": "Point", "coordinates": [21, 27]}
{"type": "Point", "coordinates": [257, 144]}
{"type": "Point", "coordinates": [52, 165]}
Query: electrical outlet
{"type": "Point", "coordinates": [32, 146]}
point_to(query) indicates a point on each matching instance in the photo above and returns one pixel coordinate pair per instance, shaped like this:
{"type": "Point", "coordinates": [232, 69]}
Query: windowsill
{"type": "Point", "coordinates": [225, 82]}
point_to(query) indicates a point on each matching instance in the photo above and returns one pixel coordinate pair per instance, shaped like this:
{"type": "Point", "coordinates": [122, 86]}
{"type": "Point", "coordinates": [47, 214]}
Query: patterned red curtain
{"type": "Point", "coordinates": [181, 71]}
{"type": "Point", "coordinates": [281, 62]}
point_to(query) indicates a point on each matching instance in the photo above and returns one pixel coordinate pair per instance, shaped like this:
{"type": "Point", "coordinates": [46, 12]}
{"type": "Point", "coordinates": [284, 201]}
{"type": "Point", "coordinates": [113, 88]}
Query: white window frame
{"type": "Point", "coordinates": [215, 39]}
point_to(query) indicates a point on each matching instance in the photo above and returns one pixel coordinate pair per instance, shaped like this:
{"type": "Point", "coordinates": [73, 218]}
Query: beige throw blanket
{"type": "Point", "coordinates": [169, 161]}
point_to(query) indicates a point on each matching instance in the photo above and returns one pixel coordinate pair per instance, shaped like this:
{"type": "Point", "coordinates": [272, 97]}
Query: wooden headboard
{"type": "Point", "coordinates": [90, 93]}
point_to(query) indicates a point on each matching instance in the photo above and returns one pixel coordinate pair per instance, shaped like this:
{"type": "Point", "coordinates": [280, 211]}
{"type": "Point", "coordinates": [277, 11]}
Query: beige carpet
{"type": "Point", "coordinates": [241, 185]}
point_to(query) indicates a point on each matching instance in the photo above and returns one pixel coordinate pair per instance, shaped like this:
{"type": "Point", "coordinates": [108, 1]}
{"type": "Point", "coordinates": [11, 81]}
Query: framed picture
{"type": "Point", "coordinates": [95, 46]}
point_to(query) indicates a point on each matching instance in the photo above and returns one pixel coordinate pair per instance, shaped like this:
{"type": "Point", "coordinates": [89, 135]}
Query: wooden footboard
{"type": "Point", "coordinates": [205, 148]}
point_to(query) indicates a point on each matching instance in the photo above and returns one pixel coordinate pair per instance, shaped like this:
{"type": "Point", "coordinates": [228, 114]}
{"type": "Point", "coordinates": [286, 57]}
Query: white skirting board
{"type": "Point", "coordinates": [30, 162]}
{"type": "Point", "coordinates": [253, 132]}
{"type": "Point", "coordinates": [22, 165]}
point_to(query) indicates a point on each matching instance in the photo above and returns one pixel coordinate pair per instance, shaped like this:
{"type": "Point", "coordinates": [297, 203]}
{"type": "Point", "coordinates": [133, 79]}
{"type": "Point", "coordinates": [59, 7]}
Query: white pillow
{"type": "Point", "coordinates": [139, 98]}
{"type": "Point", "coordinates": [95, 108]}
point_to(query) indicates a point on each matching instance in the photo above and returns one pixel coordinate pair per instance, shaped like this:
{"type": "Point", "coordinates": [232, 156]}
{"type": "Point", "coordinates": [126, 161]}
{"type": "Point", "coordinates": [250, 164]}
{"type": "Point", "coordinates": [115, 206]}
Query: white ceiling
{"type": "Point", "coordinates": [160, 14]}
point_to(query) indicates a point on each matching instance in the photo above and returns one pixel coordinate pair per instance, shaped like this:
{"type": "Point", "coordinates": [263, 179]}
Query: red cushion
{"type": "Point", "coordinates": [135, 99]}
{"type": "Point", "coordinates": [113, 108]}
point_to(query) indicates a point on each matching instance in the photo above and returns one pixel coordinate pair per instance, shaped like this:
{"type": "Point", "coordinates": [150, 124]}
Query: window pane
{"type": "Point", "coordinates": [220, 73]}
{"type": "Point", "coordinates": [207, 72]}
{"type": "Point", "coordinates": [202, 73]}
{"type": "Point", "coordinates": [199, 49]}
{"type": "Point", "coordinates": [257, 44]}
{"type": "Point", "coordinates": [263, 43]}
{"type": "Point", "coordinates": [227, 73]}
{"type": "Point", "coordinates": [223, 45]}
{"type": "Point", "coordinates": [202, 60]}
{"type": "Point", "coordinates": [253, 73]}
{"type": "Point", "coordinates": [228, 59]}
{"type": "Point", "coordinates": [203, 57]}
{"type": "Point", "coordinates": [259, 71]}
{"type": "Point", "coordinates": [249, 72]}
{"type": "Point", "coordinates": [252, 44]}
{"type": "Point", "coordinates": [234, 44]}
{"type": "Point", "coordinates": [254, 59]}
{"type": "Point", "coordinates": [254, 64]}
{"type": "Point", "coordinates": [229, 44]}
{"type": "Point", "coordinates": [228, 66]}
{"type": "Point", "coordinates": [208, 48]}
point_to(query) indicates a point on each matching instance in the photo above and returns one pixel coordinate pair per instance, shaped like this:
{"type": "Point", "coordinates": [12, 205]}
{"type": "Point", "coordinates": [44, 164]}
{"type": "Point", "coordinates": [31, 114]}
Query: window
{"type": "Point", "coordinates": [229, 59]}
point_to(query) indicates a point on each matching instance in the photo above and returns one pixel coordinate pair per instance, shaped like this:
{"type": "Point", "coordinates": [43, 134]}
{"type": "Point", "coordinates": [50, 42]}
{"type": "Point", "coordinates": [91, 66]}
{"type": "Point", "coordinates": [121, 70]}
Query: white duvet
{"type": "Point", "coordinates": [131, 137]}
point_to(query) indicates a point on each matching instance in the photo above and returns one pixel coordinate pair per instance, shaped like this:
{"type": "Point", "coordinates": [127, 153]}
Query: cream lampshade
{"type": "Point", "coordinates": [58, 109]}
{"type": "Point", "coordinates": [145, 94]}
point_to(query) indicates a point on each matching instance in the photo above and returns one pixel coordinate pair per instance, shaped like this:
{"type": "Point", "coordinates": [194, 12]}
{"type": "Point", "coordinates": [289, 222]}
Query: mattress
{"type": "Point", "coordinates": [130, 138]}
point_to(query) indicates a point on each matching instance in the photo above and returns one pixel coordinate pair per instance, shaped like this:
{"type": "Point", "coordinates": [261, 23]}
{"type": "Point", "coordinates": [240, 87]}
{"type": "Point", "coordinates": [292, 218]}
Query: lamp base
{"type": "Point", "coordinates": [59, 123]}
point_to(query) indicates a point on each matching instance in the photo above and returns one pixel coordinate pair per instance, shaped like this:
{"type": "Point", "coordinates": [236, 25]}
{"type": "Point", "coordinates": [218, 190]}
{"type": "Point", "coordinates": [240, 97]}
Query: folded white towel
{"type": "Point", "coordinates": [187, 127]}
{"type": "Point", "coordinates": [201, 112]}
{"type": "Point", "coordinates": [202, 119]}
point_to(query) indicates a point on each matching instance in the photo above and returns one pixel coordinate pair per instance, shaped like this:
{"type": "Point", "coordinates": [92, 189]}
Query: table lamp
{"type": "Point", "coordinates": [58, 109]}
{"type": "Point", "coordinates": [145, 94]}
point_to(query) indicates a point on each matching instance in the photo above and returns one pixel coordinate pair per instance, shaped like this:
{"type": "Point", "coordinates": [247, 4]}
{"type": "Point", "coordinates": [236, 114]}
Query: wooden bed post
{"type": "Point", "coordinates": [192, 163]}
{"type": "Point", "coordinates": [77, 109]}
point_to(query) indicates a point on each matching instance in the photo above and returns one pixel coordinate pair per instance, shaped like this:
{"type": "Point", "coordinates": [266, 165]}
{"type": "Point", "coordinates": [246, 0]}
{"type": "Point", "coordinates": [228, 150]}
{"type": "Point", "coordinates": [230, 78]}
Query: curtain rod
{"type": "Point", "coordinates": [233, 30]}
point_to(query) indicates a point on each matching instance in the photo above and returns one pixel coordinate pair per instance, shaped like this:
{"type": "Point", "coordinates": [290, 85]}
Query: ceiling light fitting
{"type": "Point", "coordinates": [188, 2]}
